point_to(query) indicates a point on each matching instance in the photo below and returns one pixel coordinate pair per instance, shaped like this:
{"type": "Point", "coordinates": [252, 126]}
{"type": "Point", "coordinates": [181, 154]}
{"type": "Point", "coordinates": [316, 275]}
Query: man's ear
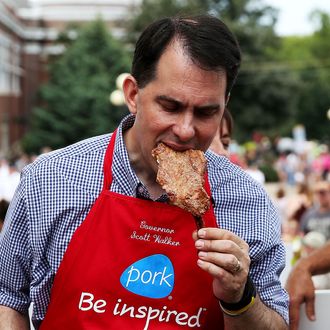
{"type": "Point", "coordinates": [130, 90]}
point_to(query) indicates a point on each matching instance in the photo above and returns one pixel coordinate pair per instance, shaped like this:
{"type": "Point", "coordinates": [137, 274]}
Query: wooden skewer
{"type": "Point", "coordinates": [199, 221]}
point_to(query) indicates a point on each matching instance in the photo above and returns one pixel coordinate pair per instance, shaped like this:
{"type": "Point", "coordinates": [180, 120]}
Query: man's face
{"type": "Point", "coordinates": [323, 197]}
{"type": "Point", "coordinates": [181, 107]}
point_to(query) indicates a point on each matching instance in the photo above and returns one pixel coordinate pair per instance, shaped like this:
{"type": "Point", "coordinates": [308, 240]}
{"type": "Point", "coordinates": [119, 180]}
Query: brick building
{"type": "Point", "coordinates": [28, 29]}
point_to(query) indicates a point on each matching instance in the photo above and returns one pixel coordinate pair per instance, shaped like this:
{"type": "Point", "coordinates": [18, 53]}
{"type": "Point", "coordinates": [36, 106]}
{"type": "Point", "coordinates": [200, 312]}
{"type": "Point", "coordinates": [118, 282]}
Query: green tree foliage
{"type": "Point", "coordinates": [314, 102]}
{"type": "Point", "coordinates": [315, 97]}
{"type": "Point", "coordinates": [307, 58]}
{"type": "Point", "coordinates": [264, 101]}
{"type": "Point", "coordinates": [151, 10]}
{"type": "Point", "coordinates": [251, 21]}
{"type": "Point", "coordinates": [320, 47]}
{"type": "Point", "coordinates": [74, 104]}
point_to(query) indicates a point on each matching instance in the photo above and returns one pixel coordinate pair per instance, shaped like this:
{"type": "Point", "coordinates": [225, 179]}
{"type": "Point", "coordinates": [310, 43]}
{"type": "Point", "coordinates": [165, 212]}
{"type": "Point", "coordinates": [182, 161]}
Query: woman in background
{"type": "Point", "coordinates": [222, 139]}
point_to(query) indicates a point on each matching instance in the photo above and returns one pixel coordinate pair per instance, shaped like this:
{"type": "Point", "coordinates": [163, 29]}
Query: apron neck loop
{"type": "Point", "coordinates": [107, 164]}
{"type": "Point", "coordinates": [207, 186]}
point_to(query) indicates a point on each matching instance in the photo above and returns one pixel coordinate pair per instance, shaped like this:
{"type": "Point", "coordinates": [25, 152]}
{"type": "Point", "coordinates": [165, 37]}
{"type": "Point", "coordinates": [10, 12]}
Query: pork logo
{"type": "Point", "coordinates": [151, 277]}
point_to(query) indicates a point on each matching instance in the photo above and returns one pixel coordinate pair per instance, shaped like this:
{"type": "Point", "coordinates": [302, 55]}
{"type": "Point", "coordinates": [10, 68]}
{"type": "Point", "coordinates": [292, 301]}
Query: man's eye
{"type": "Point", "coordinates": [206, 112]}
{"type": "Point", "coordinates": [169, 106]}
{"type": "Point", "coordinates": [225, 143]}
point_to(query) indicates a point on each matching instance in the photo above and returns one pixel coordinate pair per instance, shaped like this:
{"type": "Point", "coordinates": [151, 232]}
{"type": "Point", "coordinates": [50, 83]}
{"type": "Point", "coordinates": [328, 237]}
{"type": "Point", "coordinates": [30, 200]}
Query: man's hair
{"type": "Point", "coordinates": [206, 40]}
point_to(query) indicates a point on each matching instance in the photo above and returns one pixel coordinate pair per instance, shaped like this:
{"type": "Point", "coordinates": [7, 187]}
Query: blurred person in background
{"type": "Point", "coordinates": [22, 160]}
{"type": "Point", "coordinates": [300, 201]}
{"type": "Point", "coordinates": [300, 283]}
{"type": "Point", "coordinates": [78, 225]}
{"type": "Point", "coordinates": [325, 160]}
{"type": "Point", "coordinates": [9, 182]}
{"type": "Point", "coordinates": [296, 202]}
{"type": "Point", "coordinates": [321, 164]}
{"type": "Point", "coordinates": [291, 167]}
{"type": "Point", "coordinates": [279, 167]}
{"type": "Point", "coordinates": [4, 168]}
{"type": "Point", "coordinates": [287, 166]}
{"type": "Point", "coordinates": [220, 143]}
{"type": "Point", "coordinates": [289, 225]}
{"type": "Point", "coordinates": [317, 216]}
{"type": "Point", "coordinates": [3, 210]}
{"type": "Point", "coordinates": [311, 242]}
{"type": "Point", "coordinates": [254, 171]}
{"type": "Point", "coordinates": [281, 202]}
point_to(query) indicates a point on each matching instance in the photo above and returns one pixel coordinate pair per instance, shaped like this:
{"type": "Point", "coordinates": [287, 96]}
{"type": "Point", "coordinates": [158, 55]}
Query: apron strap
{"type": "Point", "coordinates": [207, 186]}
{"type": "Point", "coordinates": [107, 164]}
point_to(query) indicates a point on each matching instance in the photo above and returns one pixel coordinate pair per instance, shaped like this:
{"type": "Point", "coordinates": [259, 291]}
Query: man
{"type": "Point", "coordinates": [132, 261]}
{"type": "Point", "coordinates": [317, 217]}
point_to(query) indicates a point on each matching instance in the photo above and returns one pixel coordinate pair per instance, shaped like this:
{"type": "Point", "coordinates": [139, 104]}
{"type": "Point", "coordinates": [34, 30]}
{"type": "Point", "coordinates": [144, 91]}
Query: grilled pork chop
{"type": "Point", "coordinates": [181, 175]}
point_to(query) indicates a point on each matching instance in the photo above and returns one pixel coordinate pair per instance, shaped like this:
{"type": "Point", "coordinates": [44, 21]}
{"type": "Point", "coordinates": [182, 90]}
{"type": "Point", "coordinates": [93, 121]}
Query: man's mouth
{"type": "Point", "coordinates": [178, 147]}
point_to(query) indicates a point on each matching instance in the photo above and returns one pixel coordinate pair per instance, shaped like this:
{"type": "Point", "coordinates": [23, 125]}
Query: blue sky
{"type": "Point", "coordinates": [293, 15]}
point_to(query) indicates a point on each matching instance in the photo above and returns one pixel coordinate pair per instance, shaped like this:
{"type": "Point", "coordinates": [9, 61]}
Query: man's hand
{"type": "Point", "coordinates": [225, 256]}
{"type": "Point", "coordinates": [301, 290]}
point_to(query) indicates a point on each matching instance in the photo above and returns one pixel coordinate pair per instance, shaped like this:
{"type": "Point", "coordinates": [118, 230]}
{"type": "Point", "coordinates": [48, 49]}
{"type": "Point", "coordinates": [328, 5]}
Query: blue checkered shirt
{"type": "Point", "coordinates": [57, 191]}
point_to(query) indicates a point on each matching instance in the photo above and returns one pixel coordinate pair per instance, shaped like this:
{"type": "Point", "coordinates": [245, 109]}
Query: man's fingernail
{"type": "Point", "coordinates": [201, 233]}
{"type": "Point", "coordinates": [199, 244]}
{"type": "Point", "coordinates": [202, 254]}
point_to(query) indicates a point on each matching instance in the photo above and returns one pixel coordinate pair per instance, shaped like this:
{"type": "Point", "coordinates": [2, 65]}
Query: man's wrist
{"type": "Point", "coordinates": [304, 265]}
{"type": "Point", "coordinates": [246, 302]}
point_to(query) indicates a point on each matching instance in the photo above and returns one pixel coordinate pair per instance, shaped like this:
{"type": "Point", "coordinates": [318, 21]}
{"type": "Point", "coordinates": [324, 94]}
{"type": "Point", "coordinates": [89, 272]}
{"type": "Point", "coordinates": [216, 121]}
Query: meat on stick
{"type": "Point", "coordinates": [181, 175]}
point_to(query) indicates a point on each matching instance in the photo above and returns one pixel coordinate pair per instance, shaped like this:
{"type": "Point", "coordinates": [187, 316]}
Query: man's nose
{"type": "Point", "coordinates": [184, 127]}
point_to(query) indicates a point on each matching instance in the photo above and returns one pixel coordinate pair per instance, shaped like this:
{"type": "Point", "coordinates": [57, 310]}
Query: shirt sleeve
{"type": "Point", "coordinates": [15, 256]}
{"type": "Point", "coordinates": [268, 259]}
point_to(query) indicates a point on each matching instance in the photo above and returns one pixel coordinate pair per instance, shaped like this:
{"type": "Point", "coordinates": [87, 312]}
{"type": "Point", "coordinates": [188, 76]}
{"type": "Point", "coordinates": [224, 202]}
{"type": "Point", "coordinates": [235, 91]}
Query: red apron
{"type": "Point", "coordinates": [132, 264]}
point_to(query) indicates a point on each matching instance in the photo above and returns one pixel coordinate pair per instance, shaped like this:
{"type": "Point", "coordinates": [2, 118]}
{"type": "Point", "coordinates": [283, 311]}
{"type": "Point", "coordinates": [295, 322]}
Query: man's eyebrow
{"type": "Point", "coordinates": [211, 106]}
{"type": "Point", "coordinates": [165, 98]}
{"type": "Point", "coordinates": [168, 99]}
